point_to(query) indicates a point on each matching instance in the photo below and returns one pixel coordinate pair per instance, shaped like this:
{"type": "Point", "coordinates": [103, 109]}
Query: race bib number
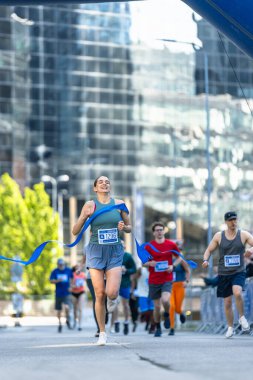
{"type": "Point", "coordinates": [232, 261]}
{"type": "Point", "coordinates": [109, 236]}
{"type": "Point", "coordinates": [161, 266]}
{"type": "Point", "coordinates": [79, 282]}
{"type": "Point", "coordinates": [62, 277]}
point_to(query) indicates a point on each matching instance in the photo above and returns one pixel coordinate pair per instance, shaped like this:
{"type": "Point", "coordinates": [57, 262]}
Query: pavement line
{"type": "Point", "coordinates": [78, 345]}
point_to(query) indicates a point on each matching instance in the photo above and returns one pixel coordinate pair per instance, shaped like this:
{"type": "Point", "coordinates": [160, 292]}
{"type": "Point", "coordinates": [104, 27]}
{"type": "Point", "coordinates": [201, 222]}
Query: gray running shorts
{"type": "Point", "coordinates": [104, 256]}
{"type": "Point", "coordinates": [156, 290]}
{"type": "Point", "coordinates": [59, 301]}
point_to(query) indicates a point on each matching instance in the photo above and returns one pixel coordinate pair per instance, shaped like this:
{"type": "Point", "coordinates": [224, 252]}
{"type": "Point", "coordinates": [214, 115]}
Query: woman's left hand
{"type": "Point", "coordinates": [121, 225]}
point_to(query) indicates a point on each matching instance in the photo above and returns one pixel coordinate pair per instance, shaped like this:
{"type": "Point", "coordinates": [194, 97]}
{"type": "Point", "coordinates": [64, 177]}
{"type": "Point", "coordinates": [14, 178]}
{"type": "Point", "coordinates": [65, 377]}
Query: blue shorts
{"type": "Point", "coordinates": [226, 283]}
{"type": "Point", "coordinates": [104, 256]}
{"type": "Point", "coordinates": [145, 304]}
{"type": "Point", "coordinates": [125, 293]}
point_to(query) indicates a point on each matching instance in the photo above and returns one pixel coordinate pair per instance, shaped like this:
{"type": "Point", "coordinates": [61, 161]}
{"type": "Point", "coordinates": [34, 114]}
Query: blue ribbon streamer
{"type": "Point", "coordinates": [191, 263]}
{"type": "Point", "coordinates": [142, 253]}
{"type": "Point", "coordinates": [37, 252]}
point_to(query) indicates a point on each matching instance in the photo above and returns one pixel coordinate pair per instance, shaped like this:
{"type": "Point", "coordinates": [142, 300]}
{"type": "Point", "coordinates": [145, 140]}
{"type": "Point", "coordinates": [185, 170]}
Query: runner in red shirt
{"type": "Point", "coordinates": [160, 274]}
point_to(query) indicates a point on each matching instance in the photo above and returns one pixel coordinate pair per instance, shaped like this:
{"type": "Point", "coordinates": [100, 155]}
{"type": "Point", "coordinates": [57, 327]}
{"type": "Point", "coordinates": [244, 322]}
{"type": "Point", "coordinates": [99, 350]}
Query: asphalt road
{"type": "Point", "coordinates": [40, 352]}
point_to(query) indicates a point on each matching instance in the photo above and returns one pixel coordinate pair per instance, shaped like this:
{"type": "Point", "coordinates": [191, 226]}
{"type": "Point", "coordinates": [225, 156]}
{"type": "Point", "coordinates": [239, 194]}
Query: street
{"type": "Point", "coordinates": [37, 351]}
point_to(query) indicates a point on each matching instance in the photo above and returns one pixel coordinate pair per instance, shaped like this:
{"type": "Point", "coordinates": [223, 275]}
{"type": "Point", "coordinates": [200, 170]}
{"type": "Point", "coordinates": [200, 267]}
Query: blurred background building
{"type": "Point", "coordinates": [83, 94]}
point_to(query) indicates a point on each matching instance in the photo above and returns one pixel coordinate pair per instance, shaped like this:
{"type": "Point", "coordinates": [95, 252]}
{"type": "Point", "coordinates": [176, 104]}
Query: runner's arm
{"type": "Point", "coordinates": [124, 225]}
{"type": "Point", "coordinates": [86, 212]}
{"type": "Point", "coordinates": [211, 247]}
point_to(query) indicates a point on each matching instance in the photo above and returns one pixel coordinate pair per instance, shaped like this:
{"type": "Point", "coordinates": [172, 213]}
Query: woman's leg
{"type": "Point", "coordinates": [113, 280]}
{"type": "Point", "coordinates": [91, 289]}
{"type": "Point", "coordinates": [80, 306]}
{"type": "Point", "coordinates": [97, 277]}
{"type": "Point", "coordinates": [74, 303]}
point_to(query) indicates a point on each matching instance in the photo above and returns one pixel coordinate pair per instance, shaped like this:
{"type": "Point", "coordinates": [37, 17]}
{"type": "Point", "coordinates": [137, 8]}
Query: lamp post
{"type": "Point", "coordinates": [208, 158]}
{"type": "Point", "coordinates": [54, 182]}
{"type": "Point", "coordinates": [57, 199]}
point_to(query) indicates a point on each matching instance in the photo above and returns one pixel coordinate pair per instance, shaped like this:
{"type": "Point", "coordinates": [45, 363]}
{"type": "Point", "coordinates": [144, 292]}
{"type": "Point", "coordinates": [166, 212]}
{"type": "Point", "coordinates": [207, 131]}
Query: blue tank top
{"type": "Point", "coordinates": [179, 274]}
{"type": "Point", "coordinates": [104, 228]}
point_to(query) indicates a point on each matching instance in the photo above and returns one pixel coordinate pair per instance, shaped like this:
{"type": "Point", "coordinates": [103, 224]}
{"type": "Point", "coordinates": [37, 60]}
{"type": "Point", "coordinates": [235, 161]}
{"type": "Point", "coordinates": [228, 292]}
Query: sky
{"type": "Point", "coordinates": [154, 19]}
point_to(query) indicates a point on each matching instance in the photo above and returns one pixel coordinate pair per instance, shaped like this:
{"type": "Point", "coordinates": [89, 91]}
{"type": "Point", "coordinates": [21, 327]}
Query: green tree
{"type": "Point", "coordinates": [27, 220]}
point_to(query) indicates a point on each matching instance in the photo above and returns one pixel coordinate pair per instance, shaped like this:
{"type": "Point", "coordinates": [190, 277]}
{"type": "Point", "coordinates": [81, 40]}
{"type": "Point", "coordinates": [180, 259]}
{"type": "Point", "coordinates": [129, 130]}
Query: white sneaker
{"type": "Point", "coordinates": [102, 339]}
{"type": "Point", "coordinates": [112, 304]}
{"type": "Point", "coordinates": [230, 332]}
{"type": "Point", "coordinates": [244, 323]}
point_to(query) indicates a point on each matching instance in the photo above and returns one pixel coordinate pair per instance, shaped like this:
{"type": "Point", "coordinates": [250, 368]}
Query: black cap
{"type": "Point", "coordinates": [230, 215]}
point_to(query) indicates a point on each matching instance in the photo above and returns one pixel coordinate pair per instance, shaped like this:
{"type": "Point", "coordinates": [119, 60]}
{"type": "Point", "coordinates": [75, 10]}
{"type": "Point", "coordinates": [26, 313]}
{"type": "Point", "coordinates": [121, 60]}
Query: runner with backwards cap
{"type": "Point", "coordinates": [231, 268]}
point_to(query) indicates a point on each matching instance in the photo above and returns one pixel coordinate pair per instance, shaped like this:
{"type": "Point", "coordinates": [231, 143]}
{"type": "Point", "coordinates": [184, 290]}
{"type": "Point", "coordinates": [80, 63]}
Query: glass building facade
{"type": "Point", "coordinates": [79, 96]}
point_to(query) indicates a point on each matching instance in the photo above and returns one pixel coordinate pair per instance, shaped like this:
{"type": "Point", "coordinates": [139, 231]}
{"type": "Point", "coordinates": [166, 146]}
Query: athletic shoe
{"type": "Point", "coordinates": [172, 332]}
{"type": "Point", "coordinates": [158, 332]}
{"type": "Point", "coordinates": [60, 328]}
{"type": "Point", "coordinates": [182, 318]}
{"type": "Point", "coordinates": [126, 329]}
{"type": "Point", "coordinates": [116, 327]}
{"type": "Point", "coordinates": [166, 320]}
{"type": "Point", "coordinates": [68, 323]}
{"type": "Point", "coordinates": [244, 324]}
{"type": "Point", "coordinates": [230, 332]}
{"type": "Point", "coordinates": [79, 328]}
{"type": "Point", "coordinates": [112, 304]}
{"type": "Point", "coordinates": [102, 339]}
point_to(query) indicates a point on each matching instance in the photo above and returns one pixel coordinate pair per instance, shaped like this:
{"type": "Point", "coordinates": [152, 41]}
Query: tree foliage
{"type": "Point", "coordinates": [27, 220]}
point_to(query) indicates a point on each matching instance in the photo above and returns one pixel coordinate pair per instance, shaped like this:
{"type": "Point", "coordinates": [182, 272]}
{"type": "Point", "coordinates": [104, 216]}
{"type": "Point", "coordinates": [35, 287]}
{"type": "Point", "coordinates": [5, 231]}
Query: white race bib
{"type": "Point", "coordinates": [161, 266]}
{"type": "Point", "coordinates": [63, 277]}
{"type": "Point", "coordinates": [232, 261]}
{"type": "Point", "coordinates": [108, 236]}
{"type": "Point", "coordinates": [79, 282]}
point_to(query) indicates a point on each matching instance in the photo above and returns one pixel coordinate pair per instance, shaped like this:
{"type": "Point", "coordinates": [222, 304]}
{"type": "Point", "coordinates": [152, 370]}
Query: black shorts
{"type": "Point", "coordinates": [77, 295]}
{"type": "Point", "coordinates": [62, 300]}
{"type": "Point", "coordinates": [226, 283]}
{"type": "Point", "coordinates": [156, 290]}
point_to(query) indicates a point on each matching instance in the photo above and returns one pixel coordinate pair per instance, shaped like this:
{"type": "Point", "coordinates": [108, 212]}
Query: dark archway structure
{"type": "Point", "coordinates": [232, 18]}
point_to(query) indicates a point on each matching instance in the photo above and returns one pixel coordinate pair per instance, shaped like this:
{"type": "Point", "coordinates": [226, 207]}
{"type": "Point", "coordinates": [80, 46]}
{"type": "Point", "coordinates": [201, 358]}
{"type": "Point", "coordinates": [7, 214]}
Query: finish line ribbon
{"type": "Point", "coordinates": [191, 263]}
{"type": "Point", "coordinates": [37, 252]}
{"type": "Point", "coordinates": [142, 253]}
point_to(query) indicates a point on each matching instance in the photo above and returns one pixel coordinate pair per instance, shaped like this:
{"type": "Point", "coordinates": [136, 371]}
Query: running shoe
{"type": "Point", "coordinates": [126, 329]}
{"type": "Point", "coordinates": [151, 329]}
{"type": "Point", "coordinates": [182, 318]}
{"type": "Point", "coordinates": [102, 339]}
{"type": "Point", "coordinates": [116, 327]}
{"type": "Point", "coordinates": [166, 320]}
{"type": "Point", "coordinates": [172, 332]}
{"type": "Point", "coordinates": [60, 328]}
{"type": "Point", "coordinates": [244, 324]}
{"type": "Point", "coordinates": [68, 323]}
{"type": "Point", "coordinates": [230, 332]}
{"type": "Point", "coordinates": [112, 304]}
{"type": "Point", "coordinates": [158, 332]}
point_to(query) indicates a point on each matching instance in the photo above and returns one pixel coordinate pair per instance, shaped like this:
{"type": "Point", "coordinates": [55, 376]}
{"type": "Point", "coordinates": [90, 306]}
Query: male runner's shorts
{"type": "Point", "coordinates": [104, 256]}
{"type": "Point", "coordinates": [156, 290]}
{"type": "Point", "coordinates": [125, 293]}
{"type": "Point", "coordinates": [226, 282]}
{"type": "Point", "coordinates": [145, 304]}
{"type": "Point", "coordinates": [62, 300]}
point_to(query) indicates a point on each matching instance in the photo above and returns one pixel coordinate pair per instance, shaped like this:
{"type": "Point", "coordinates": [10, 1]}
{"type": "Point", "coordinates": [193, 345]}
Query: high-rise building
{"type": "Point", "coordinates": [78, 96]}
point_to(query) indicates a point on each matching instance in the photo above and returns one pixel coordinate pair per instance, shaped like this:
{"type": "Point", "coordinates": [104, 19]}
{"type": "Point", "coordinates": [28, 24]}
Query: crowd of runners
{"type": "Point", "coordinates": [152, 292]}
